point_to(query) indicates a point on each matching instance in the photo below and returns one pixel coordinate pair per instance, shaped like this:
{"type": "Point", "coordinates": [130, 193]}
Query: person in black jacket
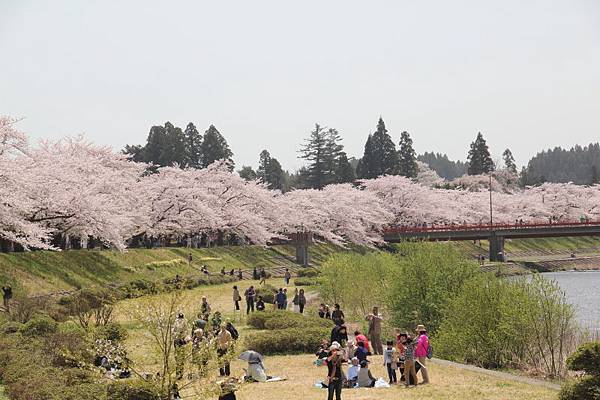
{"type": "Point", "coordinates": [335, 376]}
{"type": "Point", "coordinates": [6, 296]}
{"type": "Point", "coordinates": [339, 334]}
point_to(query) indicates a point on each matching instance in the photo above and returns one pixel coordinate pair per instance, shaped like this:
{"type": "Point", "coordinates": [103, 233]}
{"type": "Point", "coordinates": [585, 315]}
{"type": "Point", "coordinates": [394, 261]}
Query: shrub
{"type": "Point", "coordinates": [136, 389]}
{"type": "Point", "coordinates": [88, 303]}
{"type": "Point", "coordinates": [11, 327]}
{"type": "Point", "coordinates": [306, 282]}
{"type": "Point", "coordinates": [39, 325]}
{"type": "Point", "coordinates": [308, 273]}
{"type": "Point", "coordinates": [278, 319]}
{"type": "Point", "coordinates": [267, 292]}
{"type": "Point", "coordinates": [287, 341]}
{"type": "Point", "coordinates": [586, 358]}
{"type": "Point", "coordinates": [586, 388]}
{"type": "Point", "coordinates": [112, 331]}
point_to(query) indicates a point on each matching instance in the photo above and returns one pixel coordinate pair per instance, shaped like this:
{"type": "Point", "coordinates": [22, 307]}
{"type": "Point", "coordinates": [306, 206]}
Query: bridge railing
{"type": "Point", "coordinates": [487, 227]}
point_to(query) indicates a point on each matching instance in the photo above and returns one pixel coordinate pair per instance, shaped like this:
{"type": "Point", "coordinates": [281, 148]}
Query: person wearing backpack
{"type": "Point", "coordinates": [422, 351]}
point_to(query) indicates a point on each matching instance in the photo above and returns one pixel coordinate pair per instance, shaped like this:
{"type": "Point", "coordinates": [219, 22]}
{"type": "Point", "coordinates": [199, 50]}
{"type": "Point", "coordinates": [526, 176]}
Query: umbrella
{"type": "Point", "coordinates": [251, 356]}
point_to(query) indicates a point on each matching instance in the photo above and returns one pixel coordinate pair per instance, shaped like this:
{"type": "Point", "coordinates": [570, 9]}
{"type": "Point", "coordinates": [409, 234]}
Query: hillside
{"type": "Point", "coordinates": [43, 272]}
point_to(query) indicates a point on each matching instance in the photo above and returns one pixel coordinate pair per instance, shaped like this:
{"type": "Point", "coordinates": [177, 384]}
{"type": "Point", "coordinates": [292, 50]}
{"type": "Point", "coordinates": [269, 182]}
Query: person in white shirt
{"type": "Point", "coordinates": [353, 373]}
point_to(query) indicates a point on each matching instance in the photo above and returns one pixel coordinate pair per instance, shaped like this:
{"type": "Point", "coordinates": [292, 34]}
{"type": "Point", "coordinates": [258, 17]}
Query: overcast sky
{"type": "Point", "coordinates": [525, 73]}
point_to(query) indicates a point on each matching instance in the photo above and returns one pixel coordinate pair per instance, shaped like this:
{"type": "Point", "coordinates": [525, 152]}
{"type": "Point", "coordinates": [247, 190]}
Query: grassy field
{"type": "Point", "coordinates": [447, 382]}
{"type": "Point", "coordinates": [45, 271]}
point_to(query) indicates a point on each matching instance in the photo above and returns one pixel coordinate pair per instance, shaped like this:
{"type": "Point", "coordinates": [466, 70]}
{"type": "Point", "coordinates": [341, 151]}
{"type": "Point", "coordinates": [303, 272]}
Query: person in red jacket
{"type": "Point", "coordinates": [359, 337]}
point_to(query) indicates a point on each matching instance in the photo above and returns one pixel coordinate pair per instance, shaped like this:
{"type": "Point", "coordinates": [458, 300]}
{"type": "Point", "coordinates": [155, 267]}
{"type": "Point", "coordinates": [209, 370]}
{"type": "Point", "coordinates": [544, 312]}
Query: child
{"type": "Point", "coordinates": [260, 304]}
{"type": "Point", "coordinates": [409, 363]}
{"type": "Point", "coordinates": [390, 356]}
{"type": "Point", "coordinates": [400, 345]}
{"type": "Point", "coordinates": [361, 352]}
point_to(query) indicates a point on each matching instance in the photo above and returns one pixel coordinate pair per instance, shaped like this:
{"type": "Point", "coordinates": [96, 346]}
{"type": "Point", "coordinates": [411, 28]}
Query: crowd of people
{"type": "Point", "coordinates": [403, 357]}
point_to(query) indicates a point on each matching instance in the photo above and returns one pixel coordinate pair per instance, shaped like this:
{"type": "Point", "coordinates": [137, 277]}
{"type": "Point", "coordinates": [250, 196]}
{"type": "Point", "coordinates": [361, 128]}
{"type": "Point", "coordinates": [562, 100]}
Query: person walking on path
{"type": "Point", "coordinates": [236, 298]}
{"type": "Point", "coordinates": [263, 276]}
{"type": "Point", "coordinates": [6, 296]}
{"type": "Point", "coordinates": [180, 329]}
{"type": "Point", "coordinates": [337, 315]}
{"type": "Point", "coordinates": [250, 293]}
{"type": "Point", "coordinates": [335, 376]}
{"type": "Point", "coordinates": [224, 340]}
{"type": "Point", "coordinates": [421, 350]}
{"type": "Point", "coordinates": [287, 276]}
{"type": "Point", "coordinates": [281, 300]}
{"type": "Point", "coordinates": [301, 301]}
{"type": "Point", "coordinates": [375, 320]}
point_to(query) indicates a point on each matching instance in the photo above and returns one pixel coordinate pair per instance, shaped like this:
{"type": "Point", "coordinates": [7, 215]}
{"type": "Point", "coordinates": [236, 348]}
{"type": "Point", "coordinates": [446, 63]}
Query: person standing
{"type": "Point", "coordinates": [390, 360]}
{"type": "Point", "coordinates": [180, 328]}
{"type": "Point", "coordinates": [240, 276]}
{"type": "Point", "coordinates": [254, 274]}
{"type": "Point", "coordinates": [224, 340]}
{"type": "Point", "coordinates": [236, 298]}
{"type": "Point", "coordinates": [421, 350]}
{"type": "Point", "coordinates": [190, 258]}
{"type": "Point", "coordinates": [375, 320]}
{"type": "Point", "coordinates": [249, 294]}
{"type": "Point", "coordinates": [281, 299]}
{"type": "Point", "coordinates": [205, 309]}
{"type": "Point", "coordinates": [335, 376]}
{"type": "Point", "coordinates": [337, 315]}
{"type": "Point", "coordinates": [285, 305]}
{"type": "Point", "coordinates": [301, 301]}
{"type": "Point", "coordinates": [296, 300]}
{"type": "Point", "coordinates": [6, 296]}
{"type": "Point", "coordinates": [287, 276]}
{"type": "Point", "coordinates": [410, 372]}
{"type": "Point", "coordinates": [263, 276]}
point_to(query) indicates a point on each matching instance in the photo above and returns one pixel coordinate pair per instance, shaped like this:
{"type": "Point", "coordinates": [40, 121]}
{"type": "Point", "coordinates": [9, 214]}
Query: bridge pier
{"type": "Point", "coordinates": [496, 247]}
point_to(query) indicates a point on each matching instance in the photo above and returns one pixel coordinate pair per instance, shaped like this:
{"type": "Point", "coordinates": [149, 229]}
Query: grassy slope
{"type": "Point", "coordinates": [447, 382]}
{"type": "Point", "coordinates": [44, 271]}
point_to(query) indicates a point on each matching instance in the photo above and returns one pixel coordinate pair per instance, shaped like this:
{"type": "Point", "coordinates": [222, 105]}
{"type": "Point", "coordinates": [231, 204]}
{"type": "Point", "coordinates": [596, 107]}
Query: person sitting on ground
{"type": "Point", "coordinates": [353, 371]}
{"type": "Point", "coordinates": [365, 378]}
{"type": "Point", "coordinates": [231, 329]}
{"type": "Point", "coordinates": [361, 353]}
{"type": "Point", "coordinates": [359, 337]}
{"type": "Point", "coordinates": [260, 304]}
{"type": "Point", "coordinates": [322, 310]}
{"type": "Point", "coordinates": [327, 312]}
{"type": "Point", "coordinates": [323, 350]}
{"type": "Point", "coordinates": [337, 315]}
{"type": "Point", "coordinates": [205, 308]}
{"type": "Point", "coordinates": [281, 299]}
{"type": "Point", "coordinates": [350, 350]}
{"type": "Point", "coordinates": [339, 334]}
{"type": "Point", "coordinates": [390, 359]}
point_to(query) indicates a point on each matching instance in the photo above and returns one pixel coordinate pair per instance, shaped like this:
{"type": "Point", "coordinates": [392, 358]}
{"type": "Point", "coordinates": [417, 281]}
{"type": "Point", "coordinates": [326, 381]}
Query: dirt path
{"type": "Point", "coordinates": [497, 374]}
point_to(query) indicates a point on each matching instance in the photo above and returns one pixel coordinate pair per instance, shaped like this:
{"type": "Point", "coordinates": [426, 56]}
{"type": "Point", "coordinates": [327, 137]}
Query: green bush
{"type": "Point", "coordinates": [279, 319]}
{"type": "Point", "coordinates": [267, 292]}
{"type": "Point", "coordinates": [306, 282]}
{"type": "Point", "coordinates": [287, 341]}
{"type": "Point", "coordinates": [135, 389]}
{"type": "Point", "coordinates": [11, 327]}
{"type": "Point", "coordinates": [586, 358]}
{"type": "Point", "coordinates": [308, 273]}
{"type": "Point", "coordinates": [112, 331]}
{"type": "Point", "coordinates": [39, 325]}
{"type": "Point", "coordinates": [586, 388]}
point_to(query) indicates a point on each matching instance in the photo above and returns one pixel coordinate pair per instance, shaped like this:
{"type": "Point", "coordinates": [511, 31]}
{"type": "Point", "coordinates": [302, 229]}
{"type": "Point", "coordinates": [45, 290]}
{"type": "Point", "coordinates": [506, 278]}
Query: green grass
{"type": "Point", "coordinates": [46, 271]}
{"type": "Point", "coordinates": [3, 395]}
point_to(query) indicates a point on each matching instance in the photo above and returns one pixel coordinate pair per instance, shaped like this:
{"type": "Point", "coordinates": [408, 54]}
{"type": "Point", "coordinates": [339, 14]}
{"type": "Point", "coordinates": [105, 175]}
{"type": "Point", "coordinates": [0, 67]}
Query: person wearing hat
{"type": "Point", "coordinates": [335, 375]}
{"type": "Point", "coordinates": [353, 371]}
{"type": "Point", "coordinates": [365, 378]}
{"type": "Point", "coordinates": [421, 349]}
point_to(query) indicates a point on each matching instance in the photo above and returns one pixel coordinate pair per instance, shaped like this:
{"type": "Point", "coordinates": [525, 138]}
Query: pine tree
{"type": "Point", "coordinates": [321, 150]}
{"type": "Point", "coordinates": [277, 177]}
{"type": "Point", "coordinates": [407, 160]}
{"type": "Point", "coordinates": [247, 173]}
{"type": "Point", "coordinates": [509, 161]}
{"type": "Point", "coordinates": [214, 147]}
{"type": "Point", "coordinates": [595, 176]}
{"type": "Point", "coordinates": [380, 156]}
{"type": "Point", "coordinates": [193, 144]}
{"type": "Point", "coordinates": [479, 159]}
{"type": "Point", "coordinates": [344, 172]}
{"type": "Point", "coordinates": [263, 166]}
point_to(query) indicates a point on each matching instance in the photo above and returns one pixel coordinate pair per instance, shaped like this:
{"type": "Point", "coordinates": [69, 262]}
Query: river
{"type": "Point", "coordinates": [582, 289]}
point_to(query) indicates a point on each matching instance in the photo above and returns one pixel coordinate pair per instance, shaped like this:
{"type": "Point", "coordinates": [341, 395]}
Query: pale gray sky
{"type": "Point", "coordinates": [525, 73]}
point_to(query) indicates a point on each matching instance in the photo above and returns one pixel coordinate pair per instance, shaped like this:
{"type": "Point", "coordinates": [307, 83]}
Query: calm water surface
{"type": "Point", "coordinates": [583, 291]}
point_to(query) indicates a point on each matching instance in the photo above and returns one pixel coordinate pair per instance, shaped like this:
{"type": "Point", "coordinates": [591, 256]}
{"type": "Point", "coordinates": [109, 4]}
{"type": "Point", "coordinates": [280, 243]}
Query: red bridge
{"type": "Point", "coordinates": [495, 233]}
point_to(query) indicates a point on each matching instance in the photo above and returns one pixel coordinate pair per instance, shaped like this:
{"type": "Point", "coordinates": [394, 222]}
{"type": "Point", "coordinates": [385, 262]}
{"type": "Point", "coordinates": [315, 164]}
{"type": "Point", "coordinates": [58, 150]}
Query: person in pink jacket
{"type": "Point", "coordinates": [421, 351]}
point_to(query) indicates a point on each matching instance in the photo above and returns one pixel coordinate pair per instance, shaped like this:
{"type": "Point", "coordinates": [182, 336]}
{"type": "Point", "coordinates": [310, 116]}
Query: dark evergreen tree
{"type": "Point", "coordinates": [443, 166]}
{"type": "Point", "coordinates": [136, 152]}
{"type": "Point", "coordinates": [321, 150]}
{"type": "Point", "coordinates": [479, 159]}
{"type": "Point", "coordinates": [175, 151]}
{"type": "Point", "coordinates": [380, 156]}
{"type": "Point", "coordinates": [193, 146]}
{"type": "Point", "coordinates": [264, 159]}
{"type": "Point", "coordinates": [407, 160]}
{"type": "Point", "coordinates": [270, 172]}
{"type": "Point", "coordinates": [344, 172]}
{"type": "Point", "coordinates": [509, 161]}
{"type": "Point", "coordinates": [300, 179]}
{"type": "Point", "coordinates": [247, 173]}
{"type": "Point", "coordinates": [214, 147]}
{"type": "Point", "coordinates": [595, 177]}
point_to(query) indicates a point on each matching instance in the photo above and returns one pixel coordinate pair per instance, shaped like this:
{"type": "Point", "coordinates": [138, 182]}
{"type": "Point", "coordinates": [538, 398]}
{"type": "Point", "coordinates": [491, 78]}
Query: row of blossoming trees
{"type": "Point", "coordinates": [73, 190]}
